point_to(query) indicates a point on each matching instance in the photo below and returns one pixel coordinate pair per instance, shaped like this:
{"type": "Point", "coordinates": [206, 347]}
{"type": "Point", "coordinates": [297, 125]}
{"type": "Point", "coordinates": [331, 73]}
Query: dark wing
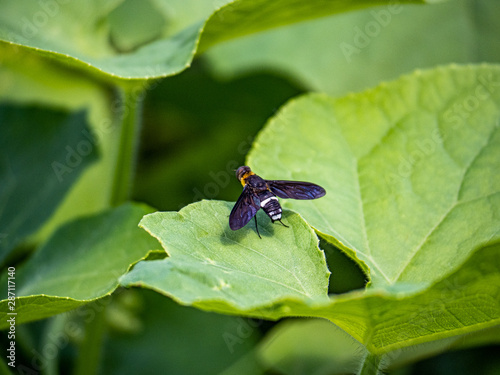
{"type": "Point", "coordinates": [245, 208]}
{"type": "Point", "coordinates": [296, 189]}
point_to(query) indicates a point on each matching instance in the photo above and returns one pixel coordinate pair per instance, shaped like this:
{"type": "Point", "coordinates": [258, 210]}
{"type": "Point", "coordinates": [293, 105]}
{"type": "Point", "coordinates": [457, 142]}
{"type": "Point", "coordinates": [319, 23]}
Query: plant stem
{"type": "Point", "coordinates": [89, 351]}
{"type": "Point", "coordinates": [55, 329]}
{"type": "Point", "coordinates": [371, 365]}
{"type": "Point", "coordinates": [131, 102]}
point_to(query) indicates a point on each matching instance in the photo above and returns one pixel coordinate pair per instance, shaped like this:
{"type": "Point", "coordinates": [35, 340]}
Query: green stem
{"type": "Point", "coordinates": [131, 101]}
{"type": "Point", "coordinates": [55, 335]}
{"type": "Point", "coordinates": [4, 369]}
{"type": "Point", "coordinates": [371, 365]}
{"type": "Point", "coordinates": [90, 349]}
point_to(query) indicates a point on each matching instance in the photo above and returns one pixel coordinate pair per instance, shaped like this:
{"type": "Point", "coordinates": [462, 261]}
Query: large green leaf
{"type": "Point", "coordinates": [384, 321]}
{"type": "Point", "coordinates": [81, 262]}
{"type": "Point", "coordinates": [317, 346]}
{"type": "Point", "coordinates": [210, 262]}
{"type": "Point", "coordinates": [356, 50]}
{"type": "Point", "coordinates": [411, 173]}
{"type": "Point", "coordinates": [31, 80]}
{"type": "Point", "coordinates": [410, 168]}
{"type": "Point", "coordinates": [81, 34]}
{"type": "Point", "coordinates": [43, 145]}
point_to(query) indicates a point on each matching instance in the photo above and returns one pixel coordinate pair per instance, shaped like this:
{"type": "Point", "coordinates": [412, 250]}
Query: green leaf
{"type": "Point", "coordinates": [81, 262]}
{"type": "Point", "coordinates": [357, 50]}
{"type": "Point", "coordinates": [79, 33]}
{"type": "Point", "coordinates": [319, 347]}
{"type": "Point", "coordinates": [43, 145]}
{"type": "Point", "coordinates": [410, 169]}
{"type": "Point", "coordinates": [134, 23]}
{"type": "Point", "coordinates": [466, 301]}
{"type": "Point", "coordinates": [316, 346]}
{"type": "Point", "coordinates": [240, 18]}
{"type": "Point", "coordinates": [384, 321]}
{"type": "Point", "coordinates": [29, 79]}
{"type": "Point", "coordinates": [411, 173]}
{"type": "Point", "coordinates": [209, 264]}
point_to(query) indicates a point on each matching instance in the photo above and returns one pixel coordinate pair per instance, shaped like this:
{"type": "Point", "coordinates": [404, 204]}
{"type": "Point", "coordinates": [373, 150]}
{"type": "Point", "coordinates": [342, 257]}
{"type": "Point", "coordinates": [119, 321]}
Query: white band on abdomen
{"type": "Point", "coordinates": [265, 201]}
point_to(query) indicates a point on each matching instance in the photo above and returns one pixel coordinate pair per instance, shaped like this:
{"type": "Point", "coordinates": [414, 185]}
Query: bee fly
{"type": "Point", "coordinates": [259, 193]}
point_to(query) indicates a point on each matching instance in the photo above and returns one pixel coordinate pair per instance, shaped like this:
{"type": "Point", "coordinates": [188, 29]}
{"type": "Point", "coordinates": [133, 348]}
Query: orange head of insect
{"type": "Point", "coordinates": [242, 173]}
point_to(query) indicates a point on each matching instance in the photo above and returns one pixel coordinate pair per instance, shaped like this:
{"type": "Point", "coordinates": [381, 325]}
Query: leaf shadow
{"type": "Point", "coordinates": [266, 229]}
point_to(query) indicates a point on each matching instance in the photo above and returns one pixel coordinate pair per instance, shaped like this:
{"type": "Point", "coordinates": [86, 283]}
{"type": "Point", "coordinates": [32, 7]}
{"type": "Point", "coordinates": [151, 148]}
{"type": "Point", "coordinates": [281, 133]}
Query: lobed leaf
{"type": "Point", "coordinates": [464, 302]}
{"type": "Point", "coordinates": [412, 194]}
{"type": "Point", "coordinates": [410, 169]}
{"type": "Point", "coordinates": [82, 34]}
{"type": "Point", "coordinates": [384, 321]}
{"type": "Point", "coordinates": [81, 262]}
{"type": "Point", "coordinates": [209, 264]}
{"type": "Point", "coordinates": [319, 347]}
{"type": "Point", "coordinates": [354, 51]}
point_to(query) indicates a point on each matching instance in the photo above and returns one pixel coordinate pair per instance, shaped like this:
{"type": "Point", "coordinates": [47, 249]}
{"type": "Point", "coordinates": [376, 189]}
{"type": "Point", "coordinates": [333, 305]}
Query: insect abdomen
{"type": "Point", "coordinates": [272, 208]}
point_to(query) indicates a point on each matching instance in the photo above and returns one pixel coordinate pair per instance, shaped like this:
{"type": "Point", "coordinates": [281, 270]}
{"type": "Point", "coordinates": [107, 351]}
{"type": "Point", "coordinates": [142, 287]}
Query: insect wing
{"type": "Point", "coordinates": [245, 208]}
{"type": "Point", "coordinates": [296, 189]}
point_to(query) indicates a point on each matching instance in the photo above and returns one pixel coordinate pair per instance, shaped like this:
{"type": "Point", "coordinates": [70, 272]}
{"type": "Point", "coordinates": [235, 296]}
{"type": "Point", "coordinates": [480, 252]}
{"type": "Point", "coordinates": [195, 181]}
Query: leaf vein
{"type": "Point", "coordinates": [414, 252]}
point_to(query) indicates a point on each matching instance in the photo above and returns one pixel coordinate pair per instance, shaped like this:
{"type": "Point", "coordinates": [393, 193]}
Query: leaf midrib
{"type": "Point", "coordinates": [453, 205]}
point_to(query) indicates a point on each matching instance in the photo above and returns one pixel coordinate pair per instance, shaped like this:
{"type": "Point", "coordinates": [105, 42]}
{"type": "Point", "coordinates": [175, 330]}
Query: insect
{"type": "Point", "coordinates": [259, 193]}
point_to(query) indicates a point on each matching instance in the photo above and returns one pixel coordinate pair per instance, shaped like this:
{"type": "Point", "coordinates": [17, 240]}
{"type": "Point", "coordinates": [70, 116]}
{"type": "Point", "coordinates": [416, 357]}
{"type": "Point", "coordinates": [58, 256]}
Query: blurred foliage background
{"type": "Point", "coordinates": [197, 128]}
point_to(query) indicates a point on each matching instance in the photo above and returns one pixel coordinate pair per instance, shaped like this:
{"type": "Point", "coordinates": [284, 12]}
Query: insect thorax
{"type": "Point", "coordinates": [256, 183]}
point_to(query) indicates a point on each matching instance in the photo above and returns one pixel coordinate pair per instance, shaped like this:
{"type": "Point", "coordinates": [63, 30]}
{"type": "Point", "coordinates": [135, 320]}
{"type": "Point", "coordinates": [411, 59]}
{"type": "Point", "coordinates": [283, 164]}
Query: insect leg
{"type": "Point", "coordinates": [256, 226]}
{"type": "Point", "coordinates": [286, 226]}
